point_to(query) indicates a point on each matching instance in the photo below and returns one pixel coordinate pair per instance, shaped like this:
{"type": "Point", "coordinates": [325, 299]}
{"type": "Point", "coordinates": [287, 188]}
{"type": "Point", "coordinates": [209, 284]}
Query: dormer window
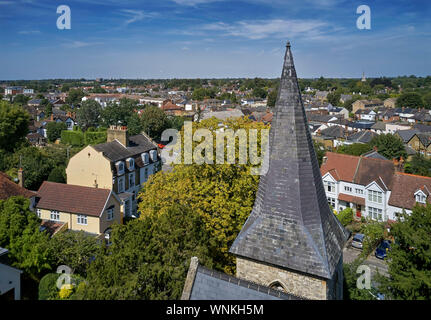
{"type": "Point", "coordinates": [420, 196]}
{"type": "Point", "coordinates": [130, 164]}
{"type": "Point", "coordinates": [145, 158]}
{"type": "Point", "coordinates": [120, 167]}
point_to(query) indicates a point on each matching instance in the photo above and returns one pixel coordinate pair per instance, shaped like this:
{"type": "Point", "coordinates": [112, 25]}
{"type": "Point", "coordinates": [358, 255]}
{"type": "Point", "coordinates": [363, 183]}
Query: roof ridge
{"type": "Point", "coordinates": [411, 174]}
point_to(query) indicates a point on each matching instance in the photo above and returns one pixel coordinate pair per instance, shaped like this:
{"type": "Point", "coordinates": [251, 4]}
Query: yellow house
{"type": "Point", "coordinates": [122, 164]}
{"type": "Point", "coordinates": [77, 208]}
{"type": "Point", "coordinates": [366, 104]}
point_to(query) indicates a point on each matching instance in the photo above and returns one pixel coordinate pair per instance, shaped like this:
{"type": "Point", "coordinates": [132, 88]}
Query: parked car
{"type": "Point", "coordinates": [358, 240]}
{"type": "Point", "coordinates": [383, 248]}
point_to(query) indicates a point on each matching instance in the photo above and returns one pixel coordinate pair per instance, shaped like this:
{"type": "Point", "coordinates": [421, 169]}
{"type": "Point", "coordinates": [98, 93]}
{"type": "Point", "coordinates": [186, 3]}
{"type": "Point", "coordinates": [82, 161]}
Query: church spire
{"type": "Point", "coordinates": [291, 225]}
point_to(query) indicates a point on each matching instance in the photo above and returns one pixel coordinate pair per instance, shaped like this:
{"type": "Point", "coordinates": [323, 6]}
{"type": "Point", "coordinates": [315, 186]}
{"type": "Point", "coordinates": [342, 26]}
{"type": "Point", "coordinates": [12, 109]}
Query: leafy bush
{"type": "Point", "coordinates": [345, 216]}
{"type": "Point", "coordinates": [374, 233]}
{"type": "Point", "coordinates": [48, 287]}
{"type": "Point", "coordinates": [74, 138]}
{"type": "Point", "coordinates": [94, 137]}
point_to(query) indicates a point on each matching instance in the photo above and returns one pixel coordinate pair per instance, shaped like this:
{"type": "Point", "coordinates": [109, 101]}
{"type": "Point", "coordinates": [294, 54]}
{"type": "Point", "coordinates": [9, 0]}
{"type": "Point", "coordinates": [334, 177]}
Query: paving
{"type": "Point", "coordinates": [350, 254]}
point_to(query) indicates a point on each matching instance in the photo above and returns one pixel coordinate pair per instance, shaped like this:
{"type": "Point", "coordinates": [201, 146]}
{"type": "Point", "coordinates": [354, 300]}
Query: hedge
{"type": "Point", "coordinates": [48, 287]}
{"type": "Point", "coordinates": [94, 137]}
{"type": "Point", "coordinates": [74, 138]}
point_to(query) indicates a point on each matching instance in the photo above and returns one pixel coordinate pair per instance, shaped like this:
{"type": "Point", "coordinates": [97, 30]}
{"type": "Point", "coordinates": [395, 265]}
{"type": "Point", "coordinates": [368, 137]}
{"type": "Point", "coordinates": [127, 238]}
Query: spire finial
{"type": "Point", "coordinates": [288, 44]}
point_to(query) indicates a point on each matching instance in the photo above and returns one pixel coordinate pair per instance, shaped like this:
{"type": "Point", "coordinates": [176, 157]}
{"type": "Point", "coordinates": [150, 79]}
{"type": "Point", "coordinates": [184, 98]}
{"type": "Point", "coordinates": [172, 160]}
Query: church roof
{"type": "Point", "coordinates": [206, 284]}
{"type": "Point", "coordinates": [291, 225]}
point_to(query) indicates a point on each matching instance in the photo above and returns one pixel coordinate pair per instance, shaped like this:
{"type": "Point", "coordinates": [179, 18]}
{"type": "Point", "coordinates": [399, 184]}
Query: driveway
{"type": "Point", "coordinates": [350, 254]}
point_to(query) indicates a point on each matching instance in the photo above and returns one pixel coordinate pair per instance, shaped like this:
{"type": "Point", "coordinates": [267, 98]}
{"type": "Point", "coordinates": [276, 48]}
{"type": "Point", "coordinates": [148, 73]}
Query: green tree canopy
{"type": "Point", "coordinates": [389, 145]}
{"type": "Point", "coordinates": [53, 130]}
{"type": "Point", "coordinates": [409, 100]}
{"type": "Point", "coordinates": [13, 125]}
{"type": "Point", "coordinates": [334, 98]}
{"type": "Point", "coordinates": [410, 257]}
{"type": "Point", "coordinates": [19, 232]}
{"type": "Point", "coordinates": [88, 115]}
{"type": "Point", "coordinates": [149, 258]}
{"type": "Point", "coordinates": [75, 96]}
{"type": "Point", "coordinates": [154, 121]}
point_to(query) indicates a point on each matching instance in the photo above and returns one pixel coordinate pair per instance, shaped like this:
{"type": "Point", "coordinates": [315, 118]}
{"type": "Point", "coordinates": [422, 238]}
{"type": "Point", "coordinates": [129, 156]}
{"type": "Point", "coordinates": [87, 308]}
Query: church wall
{"type": "Point", "coordinates": [294, 283]}
{"type": "Point", "coordinates": [335, 285]}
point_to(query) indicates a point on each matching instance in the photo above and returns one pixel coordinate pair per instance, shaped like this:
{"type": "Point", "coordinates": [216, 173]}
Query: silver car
{"type": "Point", "coordinates": [358, 240]}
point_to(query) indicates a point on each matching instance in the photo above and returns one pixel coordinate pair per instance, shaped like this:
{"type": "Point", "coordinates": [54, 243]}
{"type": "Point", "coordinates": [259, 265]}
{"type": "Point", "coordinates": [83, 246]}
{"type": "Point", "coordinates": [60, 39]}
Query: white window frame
{"type": "Point", "coordinates": [375, 213]}
{"type": "Point", "coordinates": [347, 188]}
{"type": "Point", "coordinates": [82, 219]}
{"type": "Point", "coordinates": [328, 185]}
{"type": "Point", "coordinates": [39, 213]}
{"type": "Point", "coordinates": [55, 215]}
{"type": "Point", "coordinates": [121, 182]}
{"type": "Point", "coordinates": [332, 202]}
{"type": "Point", "coordinates": [131, 163]}
{"type": "Point", "coordinates": [120, 165]}
{"type": "Point", "coordinates": [375, 196]}
{"type": "Point", "coordinates": [420, 197]}
{"type": "Point", "coordinates": [359, 191]}
{"type": "Point", "coordinates": [110, 214]}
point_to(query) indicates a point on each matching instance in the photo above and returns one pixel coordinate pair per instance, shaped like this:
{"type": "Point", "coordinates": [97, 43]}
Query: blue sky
{"type": "Point", "coordinates": [212, 38]}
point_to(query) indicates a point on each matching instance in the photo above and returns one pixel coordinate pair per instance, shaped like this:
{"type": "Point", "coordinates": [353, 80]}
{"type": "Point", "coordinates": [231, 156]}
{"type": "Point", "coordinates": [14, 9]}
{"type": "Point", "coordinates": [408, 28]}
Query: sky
{"type": "Point", "coordinates": [148, 39]}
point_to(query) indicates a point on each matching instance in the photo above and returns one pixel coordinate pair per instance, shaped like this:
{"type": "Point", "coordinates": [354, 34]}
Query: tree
{"type": "Point", "coordinates": [355, 149]}
{"type": "Point", "coordinates": [88, 114]}
{"type": "Point", "coordinates": [154, 121]}
{"type": "Point", "coordinates": [58, 174]}
{"type": "Point", "coordinates": [19, 232]}
{"type": "Point", "coordinates": [350, 289]}
{"type": "Point", "coordinates": [13, 125]}
{"type": "Point", "coordinates": [319, 148]}
{"type": "Point", "coordinates": [222, 194]}
{"type": "Point", "coordinates": [427, 100]}
{"type": "Point", "coordinates": [134, 124]}
{"type": "Point", "coordinates": [409, 260]}
{"type": "Point", "coordinates": [409, 100]}
{"type": "Point", "coordinates": [418, 165]}
{"type": "Point", "coordinates": [260, 93]}
{"type": "Point", "coordinates": [35, 164]}
{"type": "Point", "coordinates": [389, 145]}
{"type": "Point", "coordinates": [374, 233]}
{"type": "Point", "coordinates": [53, 130]}
{"type": "Point", "coordinates": [345, 216]}
{"type": "Point", "coordinates": [74, 249]}
{"type": "Point", "coordinates": [149, 258]}
{"type": "Point", "coordinates": [20, 99]}
{"type": "Point", "coordinates": [119, 113]}
{"type": "Point", "coordinates": [75, 96]}
{"type": "Point", "coordinates": [334, 98]}
{"type": "Point", "coordinates": [272, 98]}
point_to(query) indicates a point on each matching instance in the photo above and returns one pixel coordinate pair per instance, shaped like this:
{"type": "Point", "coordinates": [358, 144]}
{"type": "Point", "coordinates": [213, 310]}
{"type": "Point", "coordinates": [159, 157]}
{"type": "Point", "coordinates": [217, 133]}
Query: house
{"type": "Point", "coordinates": [321, 95]}
{"type": "Point", "coordinates": [222, 115]}
{"type": "Point", "coordinates": [421, 143]}
{"type": "Point", "coordinates": [36, 139]}
{"type": "Point", "coordinates": [366, 104]}
{"type": "Point", "coordinates": [361, 183]}
{"type": "Point", "coordinates": [123, 164]}
{"type": "Point", "coordinates": [361, 137]}
{"type": "Point", "coordinates": [379, 127]}
{"type": "Point", "coordinates": [396, 126]}
{"type": "Point", "coordinates": [336, 134]}
{"type": "Point", "coordinates": [390, 102]}
{"type": "Point", "coordinates": [34, 102]}
{"type": "Point", "coordinates": [12, 91]}
{"type": "Point", "coordinates": [170, 108]}
{"type": "Point", "coordinates": [367, 114]}
{"type": "Point", "coordinates": [407, 191]}
{"type": "Point", "coordinates": [292, 242]}
{"type": "Point", "coordinates": [9, 188]}
{"type": "Point", "coordinates": [10, 278]}
{"type": "Point", "coordinates": [79, 208]}
{"type": "Point", "coordinates": [339, 111]}
{"type": "Point", "coordinates": [406, 114]}
{"type": "Point", "coordinates": [345, 97]}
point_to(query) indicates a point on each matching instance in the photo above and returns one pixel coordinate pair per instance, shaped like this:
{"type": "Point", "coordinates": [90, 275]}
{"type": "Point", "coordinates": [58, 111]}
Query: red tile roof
{"type": "Point", "coordinates": [359, 170]}
{"type": "Point", "coordinates": [352, 199]}
{"type": "Point", "coordinates": [8, 188]}
{"type": "Point", "coordinates": [72, 199]}
{"type": "Point", "coordinates": [345, 165]}
{"type": "Point", "coordinates": [405, 186]}
{"type": "Point", "coordinates": [170, 106]}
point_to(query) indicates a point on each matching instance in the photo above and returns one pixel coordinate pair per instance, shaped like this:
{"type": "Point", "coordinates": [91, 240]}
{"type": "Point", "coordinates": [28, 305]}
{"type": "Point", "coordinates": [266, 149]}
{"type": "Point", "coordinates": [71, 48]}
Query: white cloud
{"type": "Point", "coordinates": [276, 28]}
{"type": "Point", "coordinates": [136, 15]}
{"type": "Point", "coordinates": [29, 32]}
{"type": "Point", "coordinates": [80, 44]}
{"type": "Point", "coordinates": [193, 2]}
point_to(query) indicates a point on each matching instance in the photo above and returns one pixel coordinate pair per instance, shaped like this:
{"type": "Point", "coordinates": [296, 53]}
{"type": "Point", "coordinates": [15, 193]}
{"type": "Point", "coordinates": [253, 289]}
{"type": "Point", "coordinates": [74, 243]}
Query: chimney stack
{"type": "Point", "coordinates": [118, 133]}
{"type": "Point", "coordinates": [21, 177]}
